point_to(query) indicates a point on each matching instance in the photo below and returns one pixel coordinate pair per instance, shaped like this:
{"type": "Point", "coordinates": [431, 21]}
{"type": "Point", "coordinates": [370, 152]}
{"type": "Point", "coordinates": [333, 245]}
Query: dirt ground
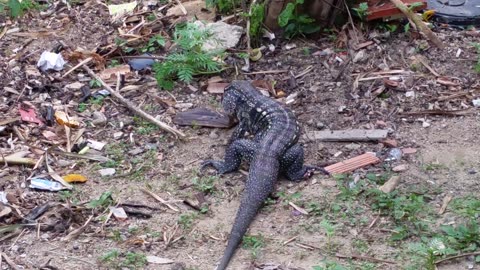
{"type": "Point", "coordinates": [446, 161]}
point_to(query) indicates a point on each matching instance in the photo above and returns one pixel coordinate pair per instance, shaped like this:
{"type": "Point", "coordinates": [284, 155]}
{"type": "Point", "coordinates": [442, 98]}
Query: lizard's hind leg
{"type": "Point", "coordinates": [237, 151]}
{"type": "Point", "coordinates": [291, 164]}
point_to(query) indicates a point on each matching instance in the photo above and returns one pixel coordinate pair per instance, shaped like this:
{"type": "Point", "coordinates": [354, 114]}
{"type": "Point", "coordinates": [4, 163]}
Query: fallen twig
{"type": "Point", "coordinates": [423, 62]}
{"type": "Point", "coordinates": [363, 258]}
{"type": "Point", "coordinates": [78, 231]}
{"type": "Point", "coordinates": [13, 160]}
{"type": "Point", "coordinates": [156, 197]}
{"type": "Point", "coordinates": [266, 72]}
{"type": "Point", "coordinates": [418, 22]}
{"type": "Point", "coordinates": [132, 106]}
{"type": "Point", "coordinates": [84, 62]}
{"type": "Point", "coordinates": [458, 256]}
{"type": "Point", "coordinates": [440, 112]}
{"type": "Point", "coordinates": [9, 261]}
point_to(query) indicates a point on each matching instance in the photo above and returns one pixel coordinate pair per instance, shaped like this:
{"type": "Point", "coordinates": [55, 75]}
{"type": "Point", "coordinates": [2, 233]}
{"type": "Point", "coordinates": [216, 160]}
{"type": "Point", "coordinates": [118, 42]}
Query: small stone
{"type": "Point", "coordinates": [381, 124]}
{"type": "Point", "coordinates": [136, 151]}
{"type": "Point", "coordinates": [320, 125]}
{"type": "Point", "coordinates": [360, 56]}
{"type": "Point", "coordinates": [74, 86]}
{"type": "Point", "coordinates": [310, 122]}
{"type": "Point", "coordinates": [400, 168]}
{"type": "Point", "coordinates": [426, 124]}
{"type": "Point", "coordinates": [472, 171]}
{"type": "Point", "coordinates": [352, 146]}
{"type": "Point", "coordinates": [117, 135]}
{"type": "Point", "coordinates": [107, 171]}
{"type": "Point", "coordinates": [409, 150]}
{"type": "Point", "coordinates": [476, 102]}
{"type": "Point", "coordinates": [183, 106]}
{"type": "Point", "coordinates": [99, 119]}
{"type": "Point", "coordinates": [390, 143]}
{"type": "Point", "coordinates": [342, 108]}
{"type": "Point", "coordinates": [410, 94]}
{"type": "Point", "coordinates": [213, 135]}
{"type": "Point", "coordinates": [151, 146]}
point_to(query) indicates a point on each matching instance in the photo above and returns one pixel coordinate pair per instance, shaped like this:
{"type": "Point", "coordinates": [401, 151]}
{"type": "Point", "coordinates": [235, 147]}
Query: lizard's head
{"type": "Point", "coordinates": [232, 98]}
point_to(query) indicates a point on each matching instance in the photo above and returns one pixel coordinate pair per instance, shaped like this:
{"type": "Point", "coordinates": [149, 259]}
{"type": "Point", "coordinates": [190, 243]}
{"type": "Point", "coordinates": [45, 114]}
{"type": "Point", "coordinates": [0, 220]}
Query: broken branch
{"type": "Point", "coordinates": [418, 22]}
{"type": "Point", "coordinates": [133, 107]}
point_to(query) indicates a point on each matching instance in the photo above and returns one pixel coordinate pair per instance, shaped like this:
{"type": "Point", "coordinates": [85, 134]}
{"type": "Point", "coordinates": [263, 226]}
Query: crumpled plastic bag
{"type": "Point", "coordinates": [49, 60]}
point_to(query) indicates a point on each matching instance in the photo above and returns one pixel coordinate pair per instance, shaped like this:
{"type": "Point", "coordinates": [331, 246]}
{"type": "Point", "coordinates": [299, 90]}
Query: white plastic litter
{"type": "Point", "coordinates": [49, 60]}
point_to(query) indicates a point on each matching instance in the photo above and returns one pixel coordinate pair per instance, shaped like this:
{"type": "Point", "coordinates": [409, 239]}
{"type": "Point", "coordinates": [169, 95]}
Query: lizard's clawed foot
{"type": "Point", "coordinates": [216, 164]}
{"type": "Point", "coordinates": [310, 170]}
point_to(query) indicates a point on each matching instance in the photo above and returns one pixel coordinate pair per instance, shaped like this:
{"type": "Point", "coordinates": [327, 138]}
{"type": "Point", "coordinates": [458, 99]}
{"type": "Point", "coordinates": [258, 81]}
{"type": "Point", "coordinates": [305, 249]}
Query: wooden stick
{"type": "Point", "coordinates": [363, 258]}
{"type": "Point", "coordinates": [18, 161]}
{"type": "Point", "coordinates": [133, 107]}
{"type": "Point", "coordinates": [156, 197]}
{"type": "Point", "coordinates": [418, 22]}
{"type": "Point", "coordinates": [9, 261]}
{"type": "Point", "coordinates": [84, 62]}
{"type": "Point", "coordinates": [458, 256]}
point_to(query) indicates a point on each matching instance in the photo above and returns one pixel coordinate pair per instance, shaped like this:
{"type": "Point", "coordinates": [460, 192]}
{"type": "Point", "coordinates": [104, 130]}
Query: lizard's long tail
{"type": "Point", "coordinates": [260, 183]}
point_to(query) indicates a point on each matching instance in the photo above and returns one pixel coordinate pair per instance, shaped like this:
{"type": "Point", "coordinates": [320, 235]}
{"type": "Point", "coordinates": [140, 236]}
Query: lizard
{"type": "Point", "coordinates": [274, 150]}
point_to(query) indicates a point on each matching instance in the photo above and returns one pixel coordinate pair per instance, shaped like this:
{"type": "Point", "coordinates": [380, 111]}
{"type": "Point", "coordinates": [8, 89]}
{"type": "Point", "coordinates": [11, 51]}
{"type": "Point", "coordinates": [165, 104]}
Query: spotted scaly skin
{"type": "Point", "coordinates": [273, 150]}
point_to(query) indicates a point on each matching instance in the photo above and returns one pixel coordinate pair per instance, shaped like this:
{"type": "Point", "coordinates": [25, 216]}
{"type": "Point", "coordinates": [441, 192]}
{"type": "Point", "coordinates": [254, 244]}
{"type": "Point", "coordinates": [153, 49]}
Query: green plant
{"type": "Point", "coordinates": [254, 243]}
{"type": "Point", "coordinates": [110, 256]}
{"type": "Point", "coordinates": [154, 43]}
{"type": "Point", "coordinates": [122, 44]}
{"type": "Point", "coordinates": [477, 65]}
{"type": "Point", "coordinates": [114, 63]}
{"type": "Point", "coordinates": [205, 184]}
{"type": "Point", "coordinates": [95, 83]}
{"type": "Point", "coordinates": [189, 60]}
{"type": "Point", "coordinates": [186, 220]}
{"type": "Point", "coordinates": [257, 16]}
{"type": "Point", "coordinates": [422, 255]}
{"type": "Point", "coordinates": [134, 260]}
{"type": "Point", "coordinates": [361, 11]}
{"type": "Point", "coordinates": [17, 8]}
{"type": "Point", "coordinates": [464, 237]}
{"type": "Point", "coordinates": [328, 265]}
{"type": "Point", "coordinates": [82, 107]}
{"type": "Point", "coordinates": [223, 6]}
{"type": "Point", "coordinates": [408, 212]}
{"type": "Point", "coordinates": [468, 206]}
{"type": "Point", "coordinates": [104, 201]}
{"type": "Point", "coordinates": [296, 24]}
{"type": "Point", "coordinates": [329, 230]}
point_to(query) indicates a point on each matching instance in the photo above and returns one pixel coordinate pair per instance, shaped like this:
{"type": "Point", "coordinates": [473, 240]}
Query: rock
{"type": "Point", "coordinates": [360, 56]}
{"type": "Point", "coordinates": [380, 124]}
{"type": "Point", "coordinates": [400, 168]}
{"type": "Point", "coordinates": [409, 150]}
{"type": "Point", "coordinates": [224, 35]}
{"type": "Point", "coordinates": [135, 151]}
{"type": "Point", "coordinates": [213, 135]}
{"type": "Point", "coordinates": [117, 135]}
{"type": "Point", "coordinates": [472, 171]}
{"type": "Point", "coordinates": [390, 143]}
{"type": "Point", "coordinates": [352, 146]}
{"type": "Point", "coordinates": [99, 119]}
{"type": "Point", "coordinates": [183, 106]}
{"type": "Point", "coordinates": [107, 171]}
{"type": "Point", "coordinates": [320, 125]}
{"type": "Point", "coordinates": [74, 86]}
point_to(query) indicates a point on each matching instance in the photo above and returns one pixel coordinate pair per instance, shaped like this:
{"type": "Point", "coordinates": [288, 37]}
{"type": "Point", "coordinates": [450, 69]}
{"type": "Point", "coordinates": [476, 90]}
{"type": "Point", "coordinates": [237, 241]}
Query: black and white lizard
{"type": "Point", "coordinates": [273, 150]}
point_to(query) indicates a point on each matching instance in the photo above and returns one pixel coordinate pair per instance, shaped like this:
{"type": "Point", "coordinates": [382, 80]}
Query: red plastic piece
{"type": "Point", "coordinates": [378, 9]}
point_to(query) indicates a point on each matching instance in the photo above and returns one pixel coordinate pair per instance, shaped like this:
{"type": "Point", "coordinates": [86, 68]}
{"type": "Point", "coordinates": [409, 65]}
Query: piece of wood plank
{"type": "Point", "coordinates": [353, 163]}
{"type": "Point", "coordinates": [203, 117]}
{"type": "Point", "coordinates": [353, 135]}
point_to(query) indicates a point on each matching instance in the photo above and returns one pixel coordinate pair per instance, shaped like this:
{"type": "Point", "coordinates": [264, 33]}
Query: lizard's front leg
{"type": "Point", "coordinates": [237, 151]}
